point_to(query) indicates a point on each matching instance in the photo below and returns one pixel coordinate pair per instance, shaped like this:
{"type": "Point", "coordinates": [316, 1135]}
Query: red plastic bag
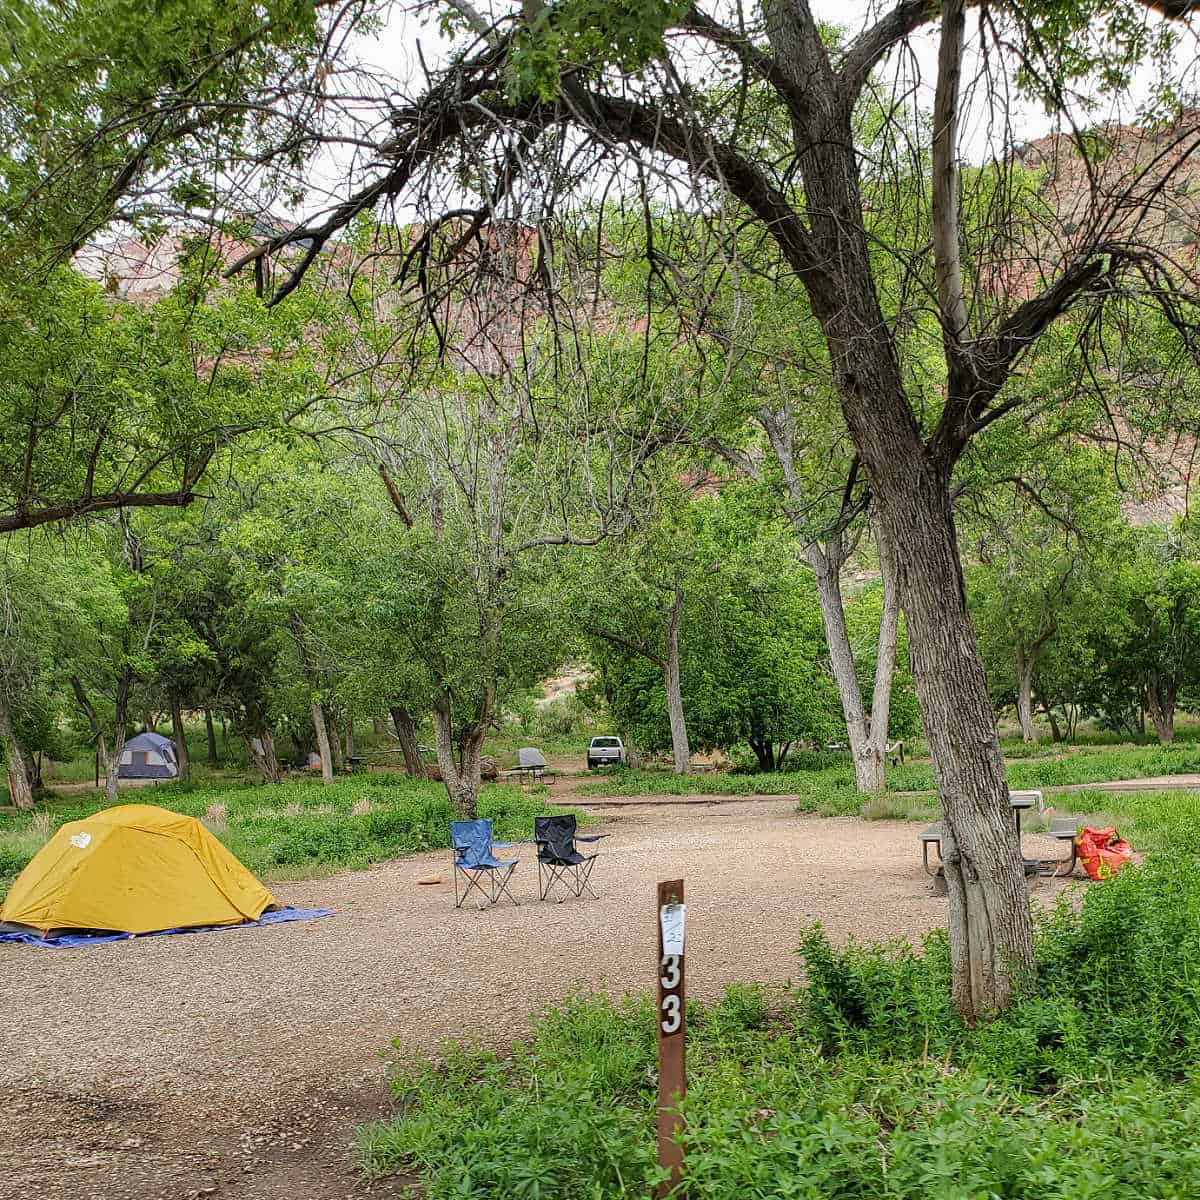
{"type": "Point", "coordinates": [1102, 852]}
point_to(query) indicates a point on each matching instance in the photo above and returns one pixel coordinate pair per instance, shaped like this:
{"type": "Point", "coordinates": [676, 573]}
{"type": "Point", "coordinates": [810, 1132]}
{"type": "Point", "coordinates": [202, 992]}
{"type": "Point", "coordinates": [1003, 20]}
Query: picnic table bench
{"type": "Point", "coordinates": [1062, 830]}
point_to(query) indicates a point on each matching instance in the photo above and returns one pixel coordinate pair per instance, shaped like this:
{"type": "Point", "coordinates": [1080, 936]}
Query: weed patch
{"type": "Point", "coordinates": [862, 1085]}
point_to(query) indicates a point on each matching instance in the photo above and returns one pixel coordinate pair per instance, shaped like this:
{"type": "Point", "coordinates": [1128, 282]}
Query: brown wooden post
{"type": "Point", "coordinates": [672, 1034]}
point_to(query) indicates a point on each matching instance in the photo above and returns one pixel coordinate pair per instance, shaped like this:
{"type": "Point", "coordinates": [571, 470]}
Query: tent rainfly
{"type": "Point", "coordinates": [148, 756]}
{"type": "Point", "coordinates": [135, 868]}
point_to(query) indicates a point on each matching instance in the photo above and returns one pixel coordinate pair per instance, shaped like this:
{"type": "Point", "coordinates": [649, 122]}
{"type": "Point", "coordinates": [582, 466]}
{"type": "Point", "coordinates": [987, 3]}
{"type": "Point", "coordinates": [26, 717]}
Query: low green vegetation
{"type": "Point", "coordinates": [862, 1085]}
{"type": "Point", "coordinates": [824, 777]}
{"type": "Point", "coordinates": [300, 828]}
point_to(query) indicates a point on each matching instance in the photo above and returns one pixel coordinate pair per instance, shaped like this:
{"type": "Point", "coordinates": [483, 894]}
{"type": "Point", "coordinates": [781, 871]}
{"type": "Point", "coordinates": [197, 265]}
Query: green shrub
{"type": "Point", "coordinates": [862, 1085]}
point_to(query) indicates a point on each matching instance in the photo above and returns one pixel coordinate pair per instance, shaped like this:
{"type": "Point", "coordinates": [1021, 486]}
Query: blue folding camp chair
{"type": "Point", "coordinates": [471, 850]}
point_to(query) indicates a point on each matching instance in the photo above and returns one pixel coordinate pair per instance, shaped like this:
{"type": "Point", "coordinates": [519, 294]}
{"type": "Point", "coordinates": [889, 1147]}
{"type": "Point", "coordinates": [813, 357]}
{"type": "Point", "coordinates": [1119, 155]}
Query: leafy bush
{"type": "Point", "coordinates": [862, 1085]}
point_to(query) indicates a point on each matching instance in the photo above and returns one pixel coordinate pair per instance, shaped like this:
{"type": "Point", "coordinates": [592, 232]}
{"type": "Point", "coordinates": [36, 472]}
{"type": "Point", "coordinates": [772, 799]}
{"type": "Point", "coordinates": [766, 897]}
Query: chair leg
{"type": "Point", "coordinates": [583, 875]}
{"type": "Point", "coordinates": [474, 882]}
{"type": "Point", "coordinates": [502, 885]}
{"type": "Point", "coordinates": [554, 875]}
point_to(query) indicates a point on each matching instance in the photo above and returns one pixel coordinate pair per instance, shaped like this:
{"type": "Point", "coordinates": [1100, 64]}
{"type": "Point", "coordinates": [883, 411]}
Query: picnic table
{"type": "Point", "coordinates": [1062, 830]}
{"type": "Point", "coordinates": [531, 762]}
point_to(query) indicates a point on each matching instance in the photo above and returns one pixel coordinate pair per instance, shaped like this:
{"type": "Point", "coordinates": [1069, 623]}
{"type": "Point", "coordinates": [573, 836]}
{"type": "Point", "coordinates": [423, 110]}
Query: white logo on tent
{"type": "Point", "coordinates": [82, 840]}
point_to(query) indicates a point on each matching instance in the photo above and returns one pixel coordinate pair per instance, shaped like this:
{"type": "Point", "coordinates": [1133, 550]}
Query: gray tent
{"type": "Point", "coordinates": [148, 756]}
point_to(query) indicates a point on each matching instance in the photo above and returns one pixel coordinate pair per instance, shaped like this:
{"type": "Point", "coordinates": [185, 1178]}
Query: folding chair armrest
{"type": "Point", "coordinates": [595, 837]}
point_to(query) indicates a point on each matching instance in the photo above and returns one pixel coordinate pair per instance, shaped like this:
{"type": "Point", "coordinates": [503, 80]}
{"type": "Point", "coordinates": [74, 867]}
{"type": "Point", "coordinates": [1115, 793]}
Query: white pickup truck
{"type": "Point", "coordinates": [606, 751]}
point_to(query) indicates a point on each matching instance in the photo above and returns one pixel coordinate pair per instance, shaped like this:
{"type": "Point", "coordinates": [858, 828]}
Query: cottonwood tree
{"type": "Point", "coordinates": [751, 657]}
{"type": "Point", "coordinates": [56, 600]}
{"type": "Point", "coordinates": [487, 471]}
{"type": "Point", "coordinates": [1147, 655]}
{"type": "Point", "coordinates": [776, 418]}
{"type": "Point", "coordinates": [541, 99]}
{"type": "Point", "coordinates": [1046, 544]}
{"type": "Point", "coordinates": [633, 596]}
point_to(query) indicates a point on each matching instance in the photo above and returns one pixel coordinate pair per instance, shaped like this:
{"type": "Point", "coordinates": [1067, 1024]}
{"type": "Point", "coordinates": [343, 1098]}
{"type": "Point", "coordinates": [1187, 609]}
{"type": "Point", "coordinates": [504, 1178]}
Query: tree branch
{"type": "Point", "coordinates": [873, 44]}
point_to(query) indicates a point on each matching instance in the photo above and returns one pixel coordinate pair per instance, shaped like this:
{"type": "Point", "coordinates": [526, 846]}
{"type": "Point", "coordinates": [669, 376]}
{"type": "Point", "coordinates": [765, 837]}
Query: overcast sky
{"type": "Point", "coordinates": [399, 48]}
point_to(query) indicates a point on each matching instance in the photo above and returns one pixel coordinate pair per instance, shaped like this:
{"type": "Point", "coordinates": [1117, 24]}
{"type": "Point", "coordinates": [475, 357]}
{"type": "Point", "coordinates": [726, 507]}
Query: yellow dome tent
{"type": "Point", "coordinates": [134, 869]}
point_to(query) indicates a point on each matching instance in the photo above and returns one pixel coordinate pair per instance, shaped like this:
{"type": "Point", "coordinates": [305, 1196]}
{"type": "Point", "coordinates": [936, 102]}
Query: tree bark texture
{"type": "Point", "coordinates": [462, 775]}
{"type": "Point", "coordinates": [1160, 703]}
{"type": "Point", "coordinates": [406, 731]}
{"type": "Point", "coordinates": [990, 925]}
{"type": "Point", "coordinates": [263, 755]}
{"type": "Point", "coordinates": [991, 931]}
{"type": "Point", "coordinates": [180, 736]}
{"type": "Point", "coordinates": [318, 720]}
{"type": "Point", "coordinates": [211, 734]}
{"type": "Point", "coordinates": [1025, 665]}
{"type": "Point", "coordinates": [885, 673]}
{"type": "Point", "coordinates": [680, 750]}
{"type": "Point", "coordinates": [15, 760]}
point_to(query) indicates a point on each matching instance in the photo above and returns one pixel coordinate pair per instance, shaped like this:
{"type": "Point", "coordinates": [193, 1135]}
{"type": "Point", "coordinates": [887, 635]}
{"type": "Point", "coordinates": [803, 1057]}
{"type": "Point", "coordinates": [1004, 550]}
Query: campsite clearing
{"type": "Point", "coordinates": [242, 1060]}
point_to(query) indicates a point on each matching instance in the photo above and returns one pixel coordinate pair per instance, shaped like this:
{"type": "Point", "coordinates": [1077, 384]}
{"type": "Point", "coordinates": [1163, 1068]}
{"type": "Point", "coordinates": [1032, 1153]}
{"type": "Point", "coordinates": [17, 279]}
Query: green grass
{"type": "Point", "coordinates": [298, 828]}
{"type": "Point", "coordinates": [862, 1085]}
{"type": "Point", "coordinates": [821, 784]}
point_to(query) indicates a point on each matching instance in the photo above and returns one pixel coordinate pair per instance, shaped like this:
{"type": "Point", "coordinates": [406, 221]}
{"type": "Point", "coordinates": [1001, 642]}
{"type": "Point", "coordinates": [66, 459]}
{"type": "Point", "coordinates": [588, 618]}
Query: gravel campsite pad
{"type": "Point", "coordinates": [238, 1063]}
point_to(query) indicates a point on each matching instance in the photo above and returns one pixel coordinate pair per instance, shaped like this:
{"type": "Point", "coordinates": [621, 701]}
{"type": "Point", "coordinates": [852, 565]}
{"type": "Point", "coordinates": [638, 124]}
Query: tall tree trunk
{"type": "Point", "coordinates": [211, 734]}
{"type": "Point", "coordinates": [1025, 665]}
{"type": "Point", "coordinates": [1160, 701]}
{"type": "Point", "coordinates": [461, 776]}
{"type": "Point", "coordinates": [180, 736]}
{"type": "Point", "coordinates": [826, 561]}
{"type": "Point", "coordinates": [680, 750]}
{"type": "Point", "coordinates": [15, 760]}
{"type": "Point", "coordinates": [112, 766]}
{"type": "Point", "coordinates": [263, 754]}
{"type": "Point", "coordinates": [349, 740]}
{"type": "Point", "coordinates": [93, 718]}
{"type": "Point", "coordinates": [1055, 732]}
{"type": "Point", "coordinates": [867, 734]}
{"type": "Point", "coordinates": [870, 777]}
{"type": "Point", "coordinates": [318, 720]}
{"type": "Point", "coordinates": [335, 741]}
{"type": "Point", "coordinates": [764, 751]}
{"type": "Point", "coordinates": [406, 731]}
{"type": "Point", "coordinates": [991, 929]}
{"type": "Point", "coordinates": [990, 923]}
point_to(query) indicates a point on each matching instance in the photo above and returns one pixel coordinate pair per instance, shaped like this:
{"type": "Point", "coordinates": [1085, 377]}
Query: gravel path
{"type": "Point", "coordinates": [237, 1063]}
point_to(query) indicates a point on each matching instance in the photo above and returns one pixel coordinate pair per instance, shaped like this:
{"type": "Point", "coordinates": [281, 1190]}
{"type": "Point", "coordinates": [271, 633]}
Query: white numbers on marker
{"type": "Point", "coordinates": [670, 976]}
{"type": "Point", "coordinates": [670, 1013]}
{"type": "Point", "coordinates": [670, 971]}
